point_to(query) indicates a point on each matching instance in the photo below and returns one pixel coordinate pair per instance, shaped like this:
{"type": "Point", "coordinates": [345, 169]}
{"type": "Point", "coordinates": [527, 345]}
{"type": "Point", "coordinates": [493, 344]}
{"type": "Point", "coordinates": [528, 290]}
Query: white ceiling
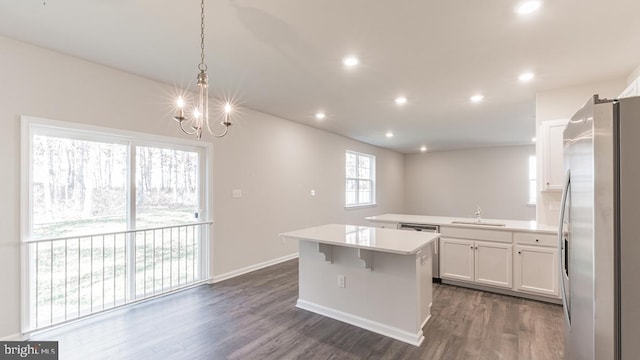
{"type": "Point", "coordinates": [284, 57]}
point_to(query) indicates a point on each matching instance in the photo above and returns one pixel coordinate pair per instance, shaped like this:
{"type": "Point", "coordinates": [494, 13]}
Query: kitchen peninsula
{"type": "Point", "coordinates": [513, 257]}
{"type": "Point", "coordinates": [374, 278]}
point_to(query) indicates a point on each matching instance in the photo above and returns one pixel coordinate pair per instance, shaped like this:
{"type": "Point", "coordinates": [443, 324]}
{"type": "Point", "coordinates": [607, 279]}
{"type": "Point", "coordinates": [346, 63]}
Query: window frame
{"type": "Point", "coordinates": [371, 180]}
{"type": "Point", "coordinates": [31, 126]}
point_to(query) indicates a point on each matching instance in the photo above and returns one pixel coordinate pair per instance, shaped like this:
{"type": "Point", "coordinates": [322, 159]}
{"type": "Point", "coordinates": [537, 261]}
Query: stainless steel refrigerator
{"type": "Point", "coordinates": [599, 235]}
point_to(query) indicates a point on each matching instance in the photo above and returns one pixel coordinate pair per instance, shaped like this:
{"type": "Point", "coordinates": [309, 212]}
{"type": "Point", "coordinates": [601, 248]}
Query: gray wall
{"type": "Point", "coordinates": [275, 162]}
{"type": "Point", "coordinates": [452, 183]}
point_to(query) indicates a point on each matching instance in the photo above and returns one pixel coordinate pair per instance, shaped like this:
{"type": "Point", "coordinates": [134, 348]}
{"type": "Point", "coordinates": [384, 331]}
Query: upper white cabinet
{"type": "Point", "coordinates": [552, 176]}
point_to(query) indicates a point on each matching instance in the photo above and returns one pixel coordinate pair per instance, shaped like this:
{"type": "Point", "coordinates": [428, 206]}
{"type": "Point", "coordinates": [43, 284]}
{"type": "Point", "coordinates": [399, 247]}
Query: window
{"type": "Point", "coordinates": [533, 189]}
{"type": "Point", "coordinates": [109, 218]}
{"type": "Point", "coordinates": [360, 173]}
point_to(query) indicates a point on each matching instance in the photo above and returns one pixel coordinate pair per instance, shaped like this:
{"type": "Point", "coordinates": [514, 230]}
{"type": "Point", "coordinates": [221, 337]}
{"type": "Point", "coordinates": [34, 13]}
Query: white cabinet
{"type": "Point", "coordinates": [457, 259]}
{"type": "Point", "coordinates": [493, 264]}
{"type": "Point", "coordinates": [536, 264]}
{"type": "Point", "coordinates": [483, 262]}
{"type": "Point", "coordinates": [552, 176]}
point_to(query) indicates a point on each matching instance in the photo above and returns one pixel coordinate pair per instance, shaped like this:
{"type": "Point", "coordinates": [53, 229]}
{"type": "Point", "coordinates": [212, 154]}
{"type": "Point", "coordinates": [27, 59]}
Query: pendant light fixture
{"type": "Point", "coordinates": [194, 124]}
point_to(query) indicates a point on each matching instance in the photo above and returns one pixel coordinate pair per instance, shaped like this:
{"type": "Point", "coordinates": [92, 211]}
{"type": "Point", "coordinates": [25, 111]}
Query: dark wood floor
{"type": "Point", "coordinates": [253, 317]}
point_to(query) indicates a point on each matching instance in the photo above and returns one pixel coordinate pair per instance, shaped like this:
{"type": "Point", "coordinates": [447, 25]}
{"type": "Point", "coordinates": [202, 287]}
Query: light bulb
{"type": "Point", "coordinates": [477, 98]}
{"type": "Point", "coordinates": [227, 108]}
{"type": "Point", "coordinates": [528, 7]}
{"type": "Point", "coordinates": [401, 100]}
{"type": "Point", "coordinates": [350, 61]}
{"type": "Point", "coordinates": [528, 76]}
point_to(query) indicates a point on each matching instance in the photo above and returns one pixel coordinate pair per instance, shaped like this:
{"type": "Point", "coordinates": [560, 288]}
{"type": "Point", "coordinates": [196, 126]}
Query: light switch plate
{"type": "Point", "coordinates": [236, 193]}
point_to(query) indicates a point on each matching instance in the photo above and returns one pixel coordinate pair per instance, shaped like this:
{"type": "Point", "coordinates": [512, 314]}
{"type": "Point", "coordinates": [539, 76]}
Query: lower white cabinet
{"type": "Point", "coordinates": [386, 225]}
{"type": "Point", "coordinates": [457, 259]}
{"type": "Point", "coordinates": [494, 264]}
{"type": "Point", "coordinates": [536, 270]}
{"type": "Point", "coordinates": [483, 262]}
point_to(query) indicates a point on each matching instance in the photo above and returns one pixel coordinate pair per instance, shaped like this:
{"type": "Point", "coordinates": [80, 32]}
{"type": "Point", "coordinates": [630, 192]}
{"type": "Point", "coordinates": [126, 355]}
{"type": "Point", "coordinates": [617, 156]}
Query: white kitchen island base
{"type": "Point", "coordinates": [387, 289]}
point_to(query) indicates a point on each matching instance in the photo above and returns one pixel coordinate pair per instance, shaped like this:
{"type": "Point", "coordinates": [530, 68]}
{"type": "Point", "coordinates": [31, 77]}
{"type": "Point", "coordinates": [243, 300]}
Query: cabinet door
{"type": "Point", "coordinates": [536, 270]}
{"type": "Point", "coordinates": [456, 259]}
{"type": "Point", "coordinates": [493, 264]}
{"type": "Point", "coordinates": [552, 167]}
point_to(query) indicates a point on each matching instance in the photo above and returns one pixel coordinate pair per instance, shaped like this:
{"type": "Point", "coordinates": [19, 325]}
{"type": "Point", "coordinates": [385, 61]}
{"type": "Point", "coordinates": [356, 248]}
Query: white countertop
{"type": "Point", "coordinates": [365, 237]}
{"type": "Point", "coordinates": [510, 225]}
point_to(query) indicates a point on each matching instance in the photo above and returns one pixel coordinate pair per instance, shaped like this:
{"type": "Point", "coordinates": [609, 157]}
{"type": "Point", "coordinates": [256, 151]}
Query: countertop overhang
{"type": "Point", "coordinates": [365, 237]}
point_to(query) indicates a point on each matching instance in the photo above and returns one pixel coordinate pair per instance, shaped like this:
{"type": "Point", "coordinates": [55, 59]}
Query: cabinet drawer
{"type": "Point", "coordinates": [386, 225]}
{"type": "Point", "coordinates": [476, 234]}
{"type": "Point", "coordinates": [535, 239]}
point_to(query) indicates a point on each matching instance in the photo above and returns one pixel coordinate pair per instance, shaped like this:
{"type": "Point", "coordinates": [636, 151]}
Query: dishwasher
{"type": "Point", "coordinates": [435, 246]}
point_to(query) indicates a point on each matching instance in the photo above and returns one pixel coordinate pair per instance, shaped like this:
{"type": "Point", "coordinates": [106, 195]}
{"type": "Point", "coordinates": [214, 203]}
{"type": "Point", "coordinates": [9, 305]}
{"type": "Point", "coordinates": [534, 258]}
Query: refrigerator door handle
{"type": "Point", "coordinates": [562, 246]}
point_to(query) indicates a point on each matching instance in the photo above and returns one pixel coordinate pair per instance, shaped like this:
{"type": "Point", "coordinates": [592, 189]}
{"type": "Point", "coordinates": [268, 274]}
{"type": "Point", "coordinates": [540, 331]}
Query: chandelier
{"type": "Point", "coordinates": [199, 119]}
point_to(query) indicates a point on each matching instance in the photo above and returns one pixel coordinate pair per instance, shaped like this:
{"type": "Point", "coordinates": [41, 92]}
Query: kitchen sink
{"type": "Point", "coordinates": [477, 223]}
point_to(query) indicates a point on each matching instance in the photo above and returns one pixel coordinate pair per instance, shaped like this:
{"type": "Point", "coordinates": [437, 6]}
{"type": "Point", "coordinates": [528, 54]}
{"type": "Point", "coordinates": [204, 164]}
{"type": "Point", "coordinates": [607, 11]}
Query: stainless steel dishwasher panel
{"type": "Point", "coordinates": [435, 248]}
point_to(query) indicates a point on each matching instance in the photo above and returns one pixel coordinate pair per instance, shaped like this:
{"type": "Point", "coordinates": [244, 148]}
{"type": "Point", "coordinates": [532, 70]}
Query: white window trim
{"type": "Point", "coordinates": [373, 181]}
{"type": "Point", "coordinates": [29, 124]}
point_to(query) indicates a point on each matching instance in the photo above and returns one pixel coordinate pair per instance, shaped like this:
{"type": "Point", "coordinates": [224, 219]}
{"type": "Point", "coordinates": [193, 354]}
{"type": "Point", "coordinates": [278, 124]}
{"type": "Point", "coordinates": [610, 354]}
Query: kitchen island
{"type": "Point", "coordinates": [373, 278]}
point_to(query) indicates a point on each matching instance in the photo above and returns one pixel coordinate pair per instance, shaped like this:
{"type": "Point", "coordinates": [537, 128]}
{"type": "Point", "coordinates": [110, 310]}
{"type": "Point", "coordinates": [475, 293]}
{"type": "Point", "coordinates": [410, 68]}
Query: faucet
{"type": "Point", "coordinates": [478, 214]}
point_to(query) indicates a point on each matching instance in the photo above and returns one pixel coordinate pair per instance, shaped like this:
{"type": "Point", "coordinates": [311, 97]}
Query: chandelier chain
{"type": "Point", "coordinates": [202, 65]}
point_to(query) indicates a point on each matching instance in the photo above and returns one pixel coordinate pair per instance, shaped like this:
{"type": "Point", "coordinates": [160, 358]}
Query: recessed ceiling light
{"type": "Point", "coordinates": [477, 98]}
{"type": "Point", "coordinates": [528, 7]}
{"type": "Point", "coordinates": [320, 115]}
{"type": "Point", "coordinates": [389, 134]}
{"type": "Point", "coordinates": [423, 148]}
{"type": "Point", "coordinates": [533, 139]}
{"type": "Point", "coordinates": [350, 61]}
{"type": "Point", "coordinates": [401, 100]}
{"type": "Point", "coordinates": [525, 77]}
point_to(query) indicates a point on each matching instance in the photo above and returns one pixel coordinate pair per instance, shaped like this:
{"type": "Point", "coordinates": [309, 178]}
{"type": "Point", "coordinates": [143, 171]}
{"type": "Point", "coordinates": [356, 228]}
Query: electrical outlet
{"type": "Point", "coordinates": [342, 281]}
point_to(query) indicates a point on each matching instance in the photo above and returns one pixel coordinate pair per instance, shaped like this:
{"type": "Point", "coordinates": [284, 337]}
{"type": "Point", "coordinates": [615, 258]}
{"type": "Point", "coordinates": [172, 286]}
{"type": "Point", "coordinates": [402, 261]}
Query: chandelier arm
{"type": "Point", "coordinates": [185, 131]}
{"type": "Point", "coordinates": [226, 129]}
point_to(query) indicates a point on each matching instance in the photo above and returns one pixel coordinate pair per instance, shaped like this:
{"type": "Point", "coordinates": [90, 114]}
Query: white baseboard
{"type": "Point", "coordinates": [393, 332]}
{"type": "Point", "coordinates": [13, 337]}
{"type": "Point", "coordinates": [248, 269]}
{"type": "Point", "coordinates": [425, 321]}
